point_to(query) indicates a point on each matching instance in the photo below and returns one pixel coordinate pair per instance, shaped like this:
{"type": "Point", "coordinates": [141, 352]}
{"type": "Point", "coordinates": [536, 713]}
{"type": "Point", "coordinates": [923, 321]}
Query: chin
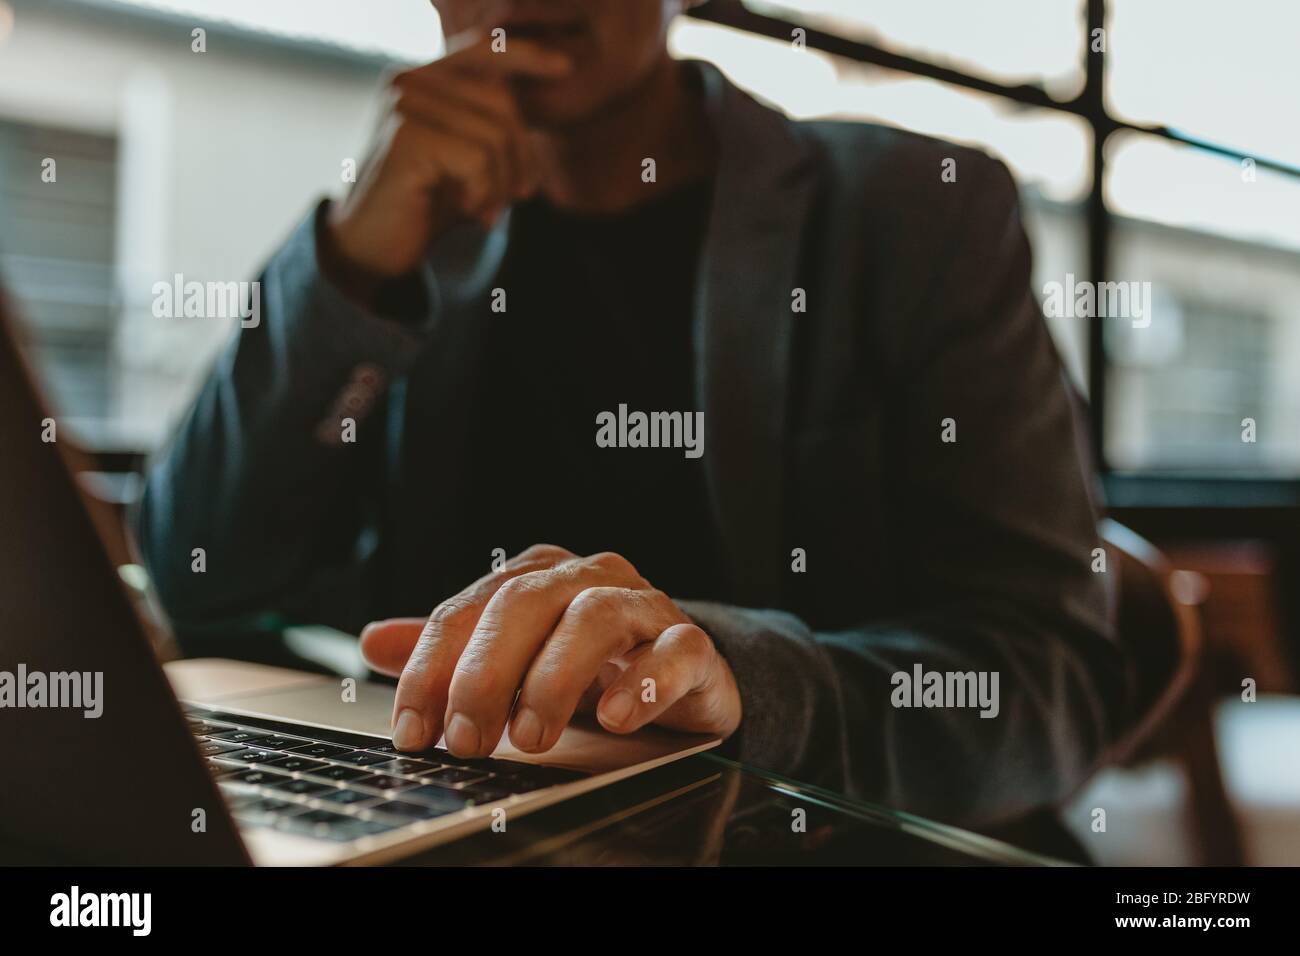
{"type": "Point", "coordinates": [550, 106]}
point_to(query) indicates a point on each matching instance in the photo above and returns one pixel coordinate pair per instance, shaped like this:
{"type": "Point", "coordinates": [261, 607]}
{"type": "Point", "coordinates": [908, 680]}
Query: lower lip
{"type": "Point", "coordinates": [563, 37]}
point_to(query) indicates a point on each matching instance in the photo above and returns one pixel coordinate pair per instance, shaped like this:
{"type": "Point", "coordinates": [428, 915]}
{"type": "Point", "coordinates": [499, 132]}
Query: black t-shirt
{"type": "Point", "coordinates": [598, 314]}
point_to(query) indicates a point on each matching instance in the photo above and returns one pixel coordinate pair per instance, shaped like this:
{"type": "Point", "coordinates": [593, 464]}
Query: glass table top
{"type": "Point", "coordinates": [707, 810]}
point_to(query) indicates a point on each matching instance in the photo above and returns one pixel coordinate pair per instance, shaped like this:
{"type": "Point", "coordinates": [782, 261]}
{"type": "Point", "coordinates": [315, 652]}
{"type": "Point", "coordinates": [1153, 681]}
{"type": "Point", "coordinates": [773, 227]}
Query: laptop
{"type": "Point", "coordinates": [111, 757]}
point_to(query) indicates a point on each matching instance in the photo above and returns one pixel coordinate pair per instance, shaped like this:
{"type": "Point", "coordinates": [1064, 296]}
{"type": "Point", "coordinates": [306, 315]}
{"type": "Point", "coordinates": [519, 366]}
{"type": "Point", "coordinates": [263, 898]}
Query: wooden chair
{"type": "Point", "coordinates": [1159, 625]}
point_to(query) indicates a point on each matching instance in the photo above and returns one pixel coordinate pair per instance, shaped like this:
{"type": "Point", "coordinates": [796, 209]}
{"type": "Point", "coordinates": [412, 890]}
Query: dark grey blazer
{"type": "Point", "coordinates": [823, 433]}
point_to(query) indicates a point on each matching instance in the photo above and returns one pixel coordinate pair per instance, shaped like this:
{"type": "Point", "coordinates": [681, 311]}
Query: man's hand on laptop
{"type": "Point", "coordinates": [566, 633]}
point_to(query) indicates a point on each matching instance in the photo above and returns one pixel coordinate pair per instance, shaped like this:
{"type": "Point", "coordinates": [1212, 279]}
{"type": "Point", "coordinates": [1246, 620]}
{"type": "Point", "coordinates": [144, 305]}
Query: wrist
{"type": "Point", "coordinates": [354, 279]}
{"type": "Point", "coordinates": [400, 297]}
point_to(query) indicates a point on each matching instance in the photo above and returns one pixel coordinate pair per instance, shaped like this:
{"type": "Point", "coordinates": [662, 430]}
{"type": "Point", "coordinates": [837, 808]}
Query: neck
{"type": "Point", "coordinates": [597, 166]}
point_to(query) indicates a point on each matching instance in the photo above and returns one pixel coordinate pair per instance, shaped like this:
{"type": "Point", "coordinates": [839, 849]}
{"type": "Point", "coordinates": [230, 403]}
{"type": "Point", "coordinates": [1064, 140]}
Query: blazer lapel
{"type": "Point", "coordinates": [744, 329]}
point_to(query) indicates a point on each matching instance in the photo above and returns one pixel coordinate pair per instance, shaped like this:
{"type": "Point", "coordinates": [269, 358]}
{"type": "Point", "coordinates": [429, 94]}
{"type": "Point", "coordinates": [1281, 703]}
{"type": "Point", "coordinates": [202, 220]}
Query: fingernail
{"type": "Point", "coordinates": [618, 708]}
{"type": "Point", "coordinates": [462, 736]}
{"type": "Point", "coordinates": [527, 731]}
{"type": "Point", "coordinates": [408, 732]}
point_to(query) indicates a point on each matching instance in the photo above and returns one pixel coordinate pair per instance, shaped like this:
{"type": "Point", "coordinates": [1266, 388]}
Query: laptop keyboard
{"type": "Point", "coordinates": [338, 786]}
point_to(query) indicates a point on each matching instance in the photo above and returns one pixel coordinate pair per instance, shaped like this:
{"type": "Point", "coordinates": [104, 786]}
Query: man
{"type": "Point", "coordinates": [567, 253]}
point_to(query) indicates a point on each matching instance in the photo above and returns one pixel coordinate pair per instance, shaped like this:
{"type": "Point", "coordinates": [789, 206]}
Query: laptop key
{"type": "Point", "coordinates": [203, 728]}
{"type": "Point", "coordinates": [252, 755]}
{"type": "Point", "coordinates": [335, 772]}
{"type": "Point", "coordinates": [348, 797]}
{"type": "Point", "coordinates": [319, 750]}
{"type": "Point", "coordinates": [447, 759]}
{"type": "Point", "coordinates": [406, 765]}
{"type": "Point", "coordinates": [219, 769]}
{"type": "Point", "coordinates": [480, 794]}
{"type": "Point", "coordinates": [211, 748]}
{"type": "Point", "coordinates": [315, 822]}
{"type": "Point", "coordinates": [371, 827]}
{"type": "Point", "coordinates": [299, 764]}
{"type": "Point", "coordinates": [240, 736]}
{"type": "Point", "coordinates": [453, 775]}
{"type": "Point", "coordinates": [450, 800]}
{"type": "Point", "coordinates": [239, 802]}
{"type": "Point", "coordinates": [413, 811]}
{"type": "Point", "coordinates": [301, 787]}
{"type": "Point", "coordinates": [362, 758]}
{"type": "Point", "coordinates": [327, 817]}
{"type": "Point", "coordinates": [272, 805]}
{"type": "Point", "coordinates": [340, 830]}
{"type": "Point", "coordinates": [382, 781]}
{"type": "Point", "coordinates": [257, 778]}
{"type": "Point", "coordinates": [276, 742]}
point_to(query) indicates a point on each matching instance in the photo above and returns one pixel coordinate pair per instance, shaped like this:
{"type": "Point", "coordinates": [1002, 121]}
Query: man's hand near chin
{"type": "Point", "coordinates": [563, 632]}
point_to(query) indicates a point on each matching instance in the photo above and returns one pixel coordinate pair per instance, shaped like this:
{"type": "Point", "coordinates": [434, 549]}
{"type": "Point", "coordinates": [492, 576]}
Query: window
{"type": "Point", "coordinates": [1014, 41]}
{"type": "Point", "coordinates": [1047, 150]}
{"type": "Point", "coordinates": [1151, 139]}
{"type": "Point", "coordinates": [56, 255]}
{"type": "Point", "coordinates": [1225, 72]}
{"type": "Point", "coordinates": [1204, 389]}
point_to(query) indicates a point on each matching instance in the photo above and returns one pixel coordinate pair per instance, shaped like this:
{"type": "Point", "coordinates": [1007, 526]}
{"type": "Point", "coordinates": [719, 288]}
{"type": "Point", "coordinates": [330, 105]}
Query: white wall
{"type": "Point", "coordinates": [220, 154]}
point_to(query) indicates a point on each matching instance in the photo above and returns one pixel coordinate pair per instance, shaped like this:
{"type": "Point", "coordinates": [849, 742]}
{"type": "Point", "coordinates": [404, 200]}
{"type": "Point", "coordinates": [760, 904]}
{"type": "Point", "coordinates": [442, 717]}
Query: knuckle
{"type": "Point", "coordinates": [655, 598]}
{"type": "Point", "coordinates": [613, 563]}
{"type": "Point", "coordinates": [543, 552]}
{"type": "Point", "coordinates": [521, 586]}
{"type": "Point", "coordinates": [474, 679]}
{"type": "Point", "coordinates": [690, 641]}
{"type": "Point", "coordinates": [453, 612]}
{"type": "Point", "coordinates": [417, 675]}
{"type": "Point", "coordinates": [595, 602]}
{"type": "Point", "coordinates": [669, 678]}
{"type": "Point", "coordinates": [544, 693]}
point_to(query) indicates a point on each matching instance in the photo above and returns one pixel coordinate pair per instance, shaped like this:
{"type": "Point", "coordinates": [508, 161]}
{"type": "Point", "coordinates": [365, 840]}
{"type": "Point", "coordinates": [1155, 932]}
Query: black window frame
{"type": "Point", "coordinates": [1125, 490]}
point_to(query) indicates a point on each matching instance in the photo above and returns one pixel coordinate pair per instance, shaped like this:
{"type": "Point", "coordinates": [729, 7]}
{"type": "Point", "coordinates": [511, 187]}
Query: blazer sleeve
{"type": "Point", "coordinates": [261, 491]}
{"type": "Point", "coordinates": [997, 563]}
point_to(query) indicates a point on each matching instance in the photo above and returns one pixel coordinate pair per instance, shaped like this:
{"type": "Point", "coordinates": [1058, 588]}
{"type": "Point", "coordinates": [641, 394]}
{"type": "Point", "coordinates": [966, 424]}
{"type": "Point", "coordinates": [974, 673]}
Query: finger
{"type": "Point", "coordinates": [610, 671]}
{"type": "Point", "coordinates": [421, 698]}
{"type": "Point", "coordinates": [671, 683]}
{"type": "Point", "coordinates": [461, 167]}
{"type": "Point", "coordinates": [512, 628]}
{"type": "Point", "coordinates": [520, 58]}
{"type": "Point", "coordinates": [500, 138]}
{"type": "Point", "coordinates": [386, 645]}
{"type": "Point", "coordinates": [600, 623]}
{"type": "Point", "coordinates": [467, 168]}
{"type": "Point", "coordinates": [490, 96]}
{"type": "Point", "coordinates": [494, 102]}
